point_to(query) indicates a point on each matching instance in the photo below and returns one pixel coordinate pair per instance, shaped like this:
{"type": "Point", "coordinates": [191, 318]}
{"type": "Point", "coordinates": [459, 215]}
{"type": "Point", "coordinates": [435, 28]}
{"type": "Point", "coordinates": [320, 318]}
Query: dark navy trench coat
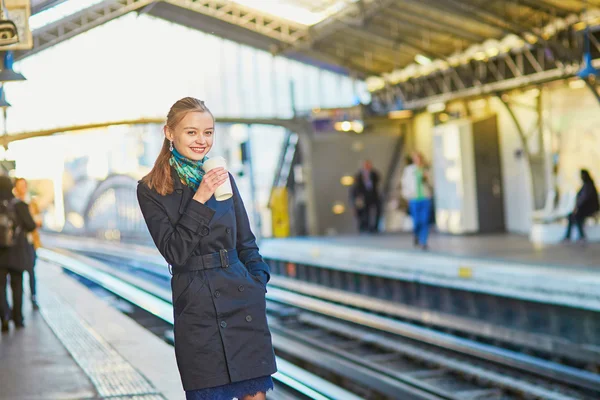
{"type": "Point", "coordinates": [221, 332]}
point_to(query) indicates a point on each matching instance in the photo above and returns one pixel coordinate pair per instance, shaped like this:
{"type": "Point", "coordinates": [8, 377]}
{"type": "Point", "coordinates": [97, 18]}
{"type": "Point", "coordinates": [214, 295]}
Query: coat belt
{"type": "Point", "coordinates": [221, 259]}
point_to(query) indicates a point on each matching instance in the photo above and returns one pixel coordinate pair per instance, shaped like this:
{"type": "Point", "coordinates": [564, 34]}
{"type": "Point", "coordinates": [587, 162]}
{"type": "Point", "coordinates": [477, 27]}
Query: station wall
{"type": "Point", "coordinates": [568, 141]}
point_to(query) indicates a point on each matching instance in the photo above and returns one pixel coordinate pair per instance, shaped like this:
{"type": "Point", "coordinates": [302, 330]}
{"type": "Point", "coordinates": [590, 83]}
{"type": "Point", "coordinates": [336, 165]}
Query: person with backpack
{"type": "Point", "coordinates": [15, 254]}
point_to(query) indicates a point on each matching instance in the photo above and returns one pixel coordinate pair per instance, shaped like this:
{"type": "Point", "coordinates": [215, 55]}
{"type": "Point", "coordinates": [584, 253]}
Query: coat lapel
{"type": "Point", "coordinates": [178, 190]}
{"type": "Point", "coordinates": [220, 207]}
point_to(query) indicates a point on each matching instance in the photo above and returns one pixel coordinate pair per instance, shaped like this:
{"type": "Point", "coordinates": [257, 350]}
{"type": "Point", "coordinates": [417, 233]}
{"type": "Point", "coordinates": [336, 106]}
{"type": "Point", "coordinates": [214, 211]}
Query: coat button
{"type": "Point", "coordinates": [249, 318]}
{"type": "Point", "coordinates": [241, 288]}
{"type": "Point", "coordinates": [223, 324]}
{"type": "Point", "coordinates": [228, 230]}
{"type": "Point", "coordinates": [217, 294]}
{"type": "Point", "coordinates": [205, 231]}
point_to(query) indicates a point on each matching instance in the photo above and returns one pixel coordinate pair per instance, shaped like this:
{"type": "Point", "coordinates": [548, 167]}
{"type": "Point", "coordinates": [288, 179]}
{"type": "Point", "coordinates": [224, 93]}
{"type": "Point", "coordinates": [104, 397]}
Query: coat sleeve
{"type": "Point", "coordinates": [25, 217]}
{"type": "Point", "coordinates": [176, 242]}
{"type": "Point", "coordinates": [246, 241]}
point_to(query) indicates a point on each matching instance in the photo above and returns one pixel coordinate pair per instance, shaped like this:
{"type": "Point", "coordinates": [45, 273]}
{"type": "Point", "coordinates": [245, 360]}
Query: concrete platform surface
{"type": "Point", "coordinates": [35, 365]}
{"type": "Point", "coordinates": [79, 347]}
{"type": "Point", "coordinates": [502, 265]}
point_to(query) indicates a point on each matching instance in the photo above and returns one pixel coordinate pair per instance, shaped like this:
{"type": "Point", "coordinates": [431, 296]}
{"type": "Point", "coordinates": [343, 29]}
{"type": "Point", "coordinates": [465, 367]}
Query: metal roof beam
{"type": "Point", "coordinates": [432, 25]}
{"type": "Point", "coordinates": [353, 15]}
{"type": "Point", "coordinates": [395, 41]}
{"type": "Point", "coordinates": [356, 14]}
{"type": "Point", "coordinates": [525, 67]}
{"type": "Point", "coordinates": [542, 7]}
{"type": "Point", "coordinates": [79, 22]}
{"type": "Point", "coordinates": [373, 35]}
{"type": "Point", "coordinates": [489, 17]}
{"type": "Point", "coordinates": [44, 5]}
{"type": "Point", "coordinates": [462, 10]}
{"type": "Point", "coordinates": [265, 24]}
{"type": "Point", "coordinates": [348, 47]}
{"type": "Point", "coordinates": [275, 28]}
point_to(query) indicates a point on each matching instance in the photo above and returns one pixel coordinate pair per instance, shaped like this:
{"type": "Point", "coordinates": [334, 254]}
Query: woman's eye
{"type": "Point", "coordinates": [191, 132]}
{"type": "Point", "coordinates": [209, 133]}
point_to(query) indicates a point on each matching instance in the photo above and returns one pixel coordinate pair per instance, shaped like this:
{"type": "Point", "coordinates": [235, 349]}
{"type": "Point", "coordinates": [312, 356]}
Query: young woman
{"type": "Point", "coordinates": [416, 190]}
{"type": "Point", "coordinates": [222, 341]}
{"type": "Point", "coordinates": [14, 259]}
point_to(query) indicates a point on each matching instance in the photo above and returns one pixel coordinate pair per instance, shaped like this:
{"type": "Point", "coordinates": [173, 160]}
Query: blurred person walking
{"type": "Point", "coordinates": [222, 341]}
{"type": "Point", "coordinates": [15, 254]}
{"type": "Point", "coordinates": [21, 192]}
{"type": "Point", "coordinates": [587, 205]}
{"type": "Point", "coordinates": [417, 191]}
{"type": "Point", "coordinates": [366, 199]}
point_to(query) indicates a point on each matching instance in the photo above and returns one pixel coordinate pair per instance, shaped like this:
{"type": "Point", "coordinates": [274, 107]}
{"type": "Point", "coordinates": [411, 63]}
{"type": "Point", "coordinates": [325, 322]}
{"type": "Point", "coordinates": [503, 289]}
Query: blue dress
{"type": "Point", "coordinates": [238, 390]}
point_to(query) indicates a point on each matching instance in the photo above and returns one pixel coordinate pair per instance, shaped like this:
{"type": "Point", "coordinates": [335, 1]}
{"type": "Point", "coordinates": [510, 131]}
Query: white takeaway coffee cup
{"type": "Point", "coordinates": [224, 191]}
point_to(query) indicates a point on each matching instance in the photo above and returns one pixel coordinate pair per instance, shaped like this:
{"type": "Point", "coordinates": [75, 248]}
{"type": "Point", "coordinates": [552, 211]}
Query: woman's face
{"type": "Point", "coordinates": [194, 135]}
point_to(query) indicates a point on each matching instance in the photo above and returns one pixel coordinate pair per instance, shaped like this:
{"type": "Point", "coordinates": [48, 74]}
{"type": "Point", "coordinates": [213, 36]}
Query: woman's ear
{"type": "Point", "coordinates": [168, 133]}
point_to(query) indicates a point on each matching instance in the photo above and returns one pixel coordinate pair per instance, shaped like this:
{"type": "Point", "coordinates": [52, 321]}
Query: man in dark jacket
{"type": "Point", "coordinates": [16, 258]}
{"type": "Point", "coordinates": [587, 205]}
{"type": "Point", "coordinates": [366, 199]}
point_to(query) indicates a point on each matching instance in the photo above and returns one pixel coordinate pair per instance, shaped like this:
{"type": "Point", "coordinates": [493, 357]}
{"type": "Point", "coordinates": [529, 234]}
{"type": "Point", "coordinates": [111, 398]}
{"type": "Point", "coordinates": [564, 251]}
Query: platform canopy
{"type": "Point", "coordinates": [363, 37]}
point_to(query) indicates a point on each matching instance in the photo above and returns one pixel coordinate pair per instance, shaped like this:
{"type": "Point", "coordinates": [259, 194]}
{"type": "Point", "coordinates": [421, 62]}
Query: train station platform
{"type": "Point", "coordinates": [78, 346]}
{"type": "Point", "coordinates": [502, 265]}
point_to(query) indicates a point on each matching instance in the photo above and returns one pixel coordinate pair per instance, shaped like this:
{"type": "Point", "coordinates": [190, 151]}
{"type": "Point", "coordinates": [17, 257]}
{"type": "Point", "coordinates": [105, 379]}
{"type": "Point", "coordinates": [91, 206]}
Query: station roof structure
{"type": "Point", "coordinates": [363, 37]}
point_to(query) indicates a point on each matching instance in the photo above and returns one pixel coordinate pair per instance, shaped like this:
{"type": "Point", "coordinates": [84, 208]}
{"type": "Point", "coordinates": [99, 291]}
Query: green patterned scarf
{"type": "Point", "coordinates": [189, 171]}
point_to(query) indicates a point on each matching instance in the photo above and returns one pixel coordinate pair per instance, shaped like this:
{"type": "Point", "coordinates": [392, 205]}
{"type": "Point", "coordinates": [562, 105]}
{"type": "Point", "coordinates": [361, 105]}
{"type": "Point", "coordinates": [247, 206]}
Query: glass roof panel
{"type": "Point", "coordinates": [307, 12]}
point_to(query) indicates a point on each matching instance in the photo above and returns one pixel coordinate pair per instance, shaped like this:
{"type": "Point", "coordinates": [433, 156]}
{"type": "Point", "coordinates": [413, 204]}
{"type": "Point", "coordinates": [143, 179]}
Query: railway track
{"type": "Point", "coordinates": [373, 356]}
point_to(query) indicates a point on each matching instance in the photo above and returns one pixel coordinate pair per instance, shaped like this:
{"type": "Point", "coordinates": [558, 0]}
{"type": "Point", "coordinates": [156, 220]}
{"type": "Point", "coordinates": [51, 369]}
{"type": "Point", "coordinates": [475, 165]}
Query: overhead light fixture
{"type": "Point", "coordinates": [436, 108]}
{"type": "Point", "coordinates": [400, 114]}
{"type": "Point", "coordinates": [492, 52]}
{"type": "Point", "coordinates": [358, 126]}
{"type": "Point", "coordinates": [348, 126]}
{"type": "Point", "coordinates": [338, 208]}
{"type": "Point", "coordinates": [8, 74]}
{"type": "Point", "coordinates": [423, 60]}
{"type": "Point", "coordinates": [577, 84]}
{"type": "Point", "coordinates": [347, 180]}
{"type": "Point", "coordinates": [479, 56]}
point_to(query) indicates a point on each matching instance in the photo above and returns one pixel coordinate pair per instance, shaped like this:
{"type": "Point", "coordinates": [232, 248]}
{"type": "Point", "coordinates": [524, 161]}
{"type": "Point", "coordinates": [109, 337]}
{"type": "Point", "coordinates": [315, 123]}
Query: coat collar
{"type": "Point", "coordinates": [177, 184]}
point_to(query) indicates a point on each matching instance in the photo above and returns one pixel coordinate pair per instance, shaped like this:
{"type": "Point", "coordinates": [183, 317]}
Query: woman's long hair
{"type": "Point", "coordinates": [159, 177]}
{"type": "Point", "coordinates": [586, 177]}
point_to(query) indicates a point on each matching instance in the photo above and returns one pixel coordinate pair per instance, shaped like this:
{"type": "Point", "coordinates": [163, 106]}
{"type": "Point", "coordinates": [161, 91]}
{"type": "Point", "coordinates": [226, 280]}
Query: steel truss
{"type": "Point", "coordinates": [276, 28]}
{"type": "Point", "coordinates": [530, 65]}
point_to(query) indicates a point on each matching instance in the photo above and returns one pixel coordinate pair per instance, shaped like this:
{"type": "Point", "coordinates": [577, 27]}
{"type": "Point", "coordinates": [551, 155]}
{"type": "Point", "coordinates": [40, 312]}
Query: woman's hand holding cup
{"type": "Point", "coordinates": [210, 182]}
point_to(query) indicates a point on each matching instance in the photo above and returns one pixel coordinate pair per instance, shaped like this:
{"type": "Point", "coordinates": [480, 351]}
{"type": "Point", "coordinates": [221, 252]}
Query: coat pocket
{"type": "Point", "coordinates": [258, 281]}
{"type": "Point", "coordinates": [182, 286]}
